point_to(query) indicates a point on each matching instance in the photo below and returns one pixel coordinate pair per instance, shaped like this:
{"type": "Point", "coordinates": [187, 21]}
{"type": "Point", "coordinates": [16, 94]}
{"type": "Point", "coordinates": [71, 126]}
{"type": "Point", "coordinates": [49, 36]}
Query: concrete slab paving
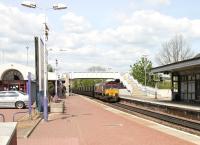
{"type": "Point", "coordinates": [25, 128]}
{"type": "Point", "coordinates": [88, 123]}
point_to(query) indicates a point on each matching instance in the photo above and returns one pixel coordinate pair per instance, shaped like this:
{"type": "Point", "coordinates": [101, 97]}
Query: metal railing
{"type": "Point", "coordinates": [3, 117]}
{"type": "Point", "coordinates": [16, 113]}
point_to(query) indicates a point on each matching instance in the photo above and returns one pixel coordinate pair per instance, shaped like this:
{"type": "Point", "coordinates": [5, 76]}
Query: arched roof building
{"type": "Point", "coordinates": [15, 71]}
{"type": "Point", "coordinates": [15, 76]}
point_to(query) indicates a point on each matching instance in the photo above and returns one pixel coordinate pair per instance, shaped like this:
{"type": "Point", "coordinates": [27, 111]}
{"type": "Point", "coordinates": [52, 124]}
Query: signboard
{"type": "Point", "coordinates": [39, 63]}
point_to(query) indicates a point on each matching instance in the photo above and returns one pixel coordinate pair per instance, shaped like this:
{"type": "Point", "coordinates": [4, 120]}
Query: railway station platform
{"type": "Point", "coordinates": [165, 101]}
{"type": "Point", "coordinates": [86, 122]}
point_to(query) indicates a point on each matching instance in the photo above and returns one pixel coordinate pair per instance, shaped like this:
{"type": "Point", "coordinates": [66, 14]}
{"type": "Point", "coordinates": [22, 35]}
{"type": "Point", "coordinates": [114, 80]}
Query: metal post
{"type": "Point", "coordinates": [3, 117]}
{"type": "Point", "coordinates": [3, 56]}
{"type": "Point", "coordinates": [45, 74]}
{"type": "Point", "coordinates": [56, 82]}
{"type": "Point", "coordinates": [145, 73]}
{"type": "Point", "coordinates": [156, 88]}
{"type": "Point", "coordinates": [29, 94]}
{"type": "Point", "coordinates": [27, 55]}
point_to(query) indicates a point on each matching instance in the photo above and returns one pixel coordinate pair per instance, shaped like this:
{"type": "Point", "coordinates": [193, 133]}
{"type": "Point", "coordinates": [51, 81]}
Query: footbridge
{"type": "Point", "coordinates": [94, 75]}
{"type": "Point", "coordinates": [98, 75]}
{"type": "Point", "coordinates": [132, 85]}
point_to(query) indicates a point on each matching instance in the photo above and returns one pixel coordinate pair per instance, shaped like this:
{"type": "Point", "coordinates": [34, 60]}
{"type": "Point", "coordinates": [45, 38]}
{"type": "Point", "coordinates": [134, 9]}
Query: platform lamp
{"type": "Point", "coordinates": [145, 72]}
{"type": "Point", "coordinates": [58, 6]}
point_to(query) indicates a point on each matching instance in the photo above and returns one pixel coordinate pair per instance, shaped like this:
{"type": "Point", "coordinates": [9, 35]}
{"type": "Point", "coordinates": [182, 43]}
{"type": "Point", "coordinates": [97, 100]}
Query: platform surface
{"type": "Point", "coordinates": [165, 102]}
{"type": "Point", "coordinates": [86, 122]}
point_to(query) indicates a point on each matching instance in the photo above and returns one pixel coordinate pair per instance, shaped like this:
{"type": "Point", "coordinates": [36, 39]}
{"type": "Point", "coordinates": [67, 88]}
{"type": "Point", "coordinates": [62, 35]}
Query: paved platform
{"type": "Point", "coordinates": [25, 124]}
{"type": "Point", "coordinates": [86, 122]}
{"type": "Point", "coordinates": [166, 102]}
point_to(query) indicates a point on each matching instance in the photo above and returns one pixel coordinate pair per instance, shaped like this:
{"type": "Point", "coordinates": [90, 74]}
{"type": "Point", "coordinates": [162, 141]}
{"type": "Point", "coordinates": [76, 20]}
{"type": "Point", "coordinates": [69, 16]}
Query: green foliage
{"type": "Point", "coordinates": [51, 89]}
{"type": "Point", "coordinates": [164, 85]}
{"type": "Point", "coordinates": [85, 82]}
{"type": "Point", "coordinates": [138, 71]}
{"type": "Point", "coordinates": [50, 68]}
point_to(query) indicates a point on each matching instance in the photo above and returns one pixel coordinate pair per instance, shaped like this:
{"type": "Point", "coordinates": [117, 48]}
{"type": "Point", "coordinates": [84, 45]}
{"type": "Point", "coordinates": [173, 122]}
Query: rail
{"type": "Point", "coordinates": [195, 125]}
{"type": "Point", "coordinates": [16, 113]}
{"type": "Point", "coordinates": [3, 117]}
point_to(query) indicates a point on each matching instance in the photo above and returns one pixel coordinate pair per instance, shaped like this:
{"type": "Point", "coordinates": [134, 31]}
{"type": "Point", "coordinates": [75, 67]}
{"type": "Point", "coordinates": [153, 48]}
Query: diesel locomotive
{"type": "Point", "coordinates": [108, 91]}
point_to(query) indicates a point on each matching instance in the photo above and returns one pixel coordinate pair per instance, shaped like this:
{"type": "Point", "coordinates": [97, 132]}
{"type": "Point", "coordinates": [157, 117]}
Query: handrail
{"type": "Point", "coordinates": [16, 113]}
{"type": "Point", "coordinates": [2, 117]}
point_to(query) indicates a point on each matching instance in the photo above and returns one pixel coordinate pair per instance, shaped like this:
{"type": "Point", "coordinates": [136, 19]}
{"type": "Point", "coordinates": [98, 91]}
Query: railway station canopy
{"type": "Point", "coordinates": [184, 65]}
{"type": "Point", "coordinates": [185, 78]}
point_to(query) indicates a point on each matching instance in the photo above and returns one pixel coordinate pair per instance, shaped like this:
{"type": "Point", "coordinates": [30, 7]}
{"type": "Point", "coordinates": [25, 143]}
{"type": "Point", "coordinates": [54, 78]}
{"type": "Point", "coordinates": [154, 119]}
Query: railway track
{"type": "Point", "coordinates": [190, 124]}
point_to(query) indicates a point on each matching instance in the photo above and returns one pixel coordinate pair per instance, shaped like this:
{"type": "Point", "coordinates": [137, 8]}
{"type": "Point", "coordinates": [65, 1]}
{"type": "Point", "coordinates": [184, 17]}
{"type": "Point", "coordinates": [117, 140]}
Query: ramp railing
{"type": "Point", "coordinates": [3, 117]}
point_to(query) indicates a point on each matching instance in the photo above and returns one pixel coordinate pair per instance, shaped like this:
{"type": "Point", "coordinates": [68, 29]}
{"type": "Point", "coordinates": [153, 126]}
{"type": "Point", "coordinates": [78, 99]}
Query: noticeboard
{"type": "Point", "coordinates": [39, 63]}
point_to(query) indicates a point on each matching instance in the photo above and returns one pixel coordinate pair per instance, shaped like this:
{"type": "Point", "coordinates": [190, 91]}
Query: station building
{"type": "Point", "coordinates": [15, 77]}
{"type": "Point", "coordinates": [185, 78]}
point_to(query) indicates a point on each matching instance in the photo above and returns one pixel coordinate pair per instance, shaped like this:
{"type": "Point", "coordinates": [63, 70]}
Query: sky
{"type": "Point", "coordinates": [112, 34]}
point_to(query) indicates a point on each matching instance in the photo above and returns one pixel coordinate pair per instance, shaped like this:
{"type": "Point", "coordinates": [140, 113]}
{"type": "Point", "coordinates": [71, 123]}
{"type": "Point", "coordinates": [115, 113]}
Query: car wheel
{"type": "Point", "coordinates": [19, 105]}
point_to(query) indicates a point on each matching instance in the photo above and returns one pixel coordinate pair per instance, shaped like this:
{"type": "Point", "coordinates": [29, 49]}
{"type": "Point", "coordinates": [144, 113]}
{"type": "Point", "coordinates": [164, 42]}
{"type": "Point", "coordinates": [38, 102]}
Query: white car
{"type": "Point", "coordinates": [13, 99]}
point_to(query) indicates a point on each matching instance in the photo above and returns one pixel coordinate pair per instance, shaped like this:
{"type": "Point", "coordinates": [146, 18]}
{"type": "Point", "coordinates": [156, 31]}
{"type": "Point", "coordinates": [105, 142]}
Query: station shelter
{"type": "Point", "coordinates": [185, 79]}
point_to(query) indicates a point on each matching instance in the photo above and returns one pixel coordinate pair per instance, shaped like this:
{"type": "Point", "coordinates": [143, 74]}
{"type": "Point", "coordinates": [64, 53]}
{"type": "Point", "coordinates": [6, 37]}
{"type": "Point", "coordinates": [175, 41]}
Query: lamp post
{"type": "Point", "coordinates": [56, 82]}
{"type": "Point", "coordinates": [58, 6]}
{"type": "Point", "coordinates": [145, 73]}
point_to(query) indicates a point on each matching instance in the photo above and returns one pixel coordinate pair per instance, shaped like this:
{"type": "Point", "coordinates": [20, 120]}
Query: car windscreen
{"type": "Point", "coordinates": [12, 94]}
{"type": "Point", "coordinates": [2, 94]}
{"type": "Point", "coordinates": [111, 86]}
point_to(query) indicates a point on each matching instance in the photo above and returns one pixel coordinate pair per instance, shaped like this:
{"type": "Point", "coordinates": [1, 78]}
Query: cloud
{"type": "Point", "coordinates": [158, 2]}
{"type": "Point", "coordinates": [16, 32]}
{"type": "Point", "coordinates": [75, 24]}
{"type": "Point", "coordinates": [118, 47]}
{"type": "Point", "coordinates": [138, 34]}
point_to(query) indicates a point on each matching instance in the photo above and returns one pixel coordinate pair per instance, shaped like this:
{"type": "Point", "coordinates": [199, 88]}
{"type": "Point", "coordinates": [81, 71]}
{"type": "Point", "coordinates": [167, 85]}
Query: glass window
{"type": "Point", "coordinates": [189, 78]}
{"type": "Point", "coordinates": [193, 77]}
{"type": "Point", "coordinates": [175, 78]}
{"type": "Point", "coordinates": [12, 94]}
{"type": "Point", "coordinates": [175, 87]}
{"type": "Point", "coordinates": [12, 75]}
{"type": "Point", "coordinates": [2, 94]}
{"type": "Point", "coordinates": [197, 76]}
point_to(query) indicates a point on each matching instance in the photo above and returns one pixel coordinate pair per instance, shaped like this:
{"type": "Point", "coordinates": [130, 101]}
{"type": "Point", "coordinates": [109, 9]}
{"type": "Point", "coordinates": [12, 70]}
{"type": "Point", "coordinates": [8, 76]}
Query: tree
{"type": "Point", "coordinates": [174, 50]}
{"type": "Point", "coordinates": [51, 89]}
{"type": "Point", "coordinates": [85, 82]}
{"type": "Point", "coordinates": [138, 71]}
{"type": "Point", "coordinates": [50, 68]}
